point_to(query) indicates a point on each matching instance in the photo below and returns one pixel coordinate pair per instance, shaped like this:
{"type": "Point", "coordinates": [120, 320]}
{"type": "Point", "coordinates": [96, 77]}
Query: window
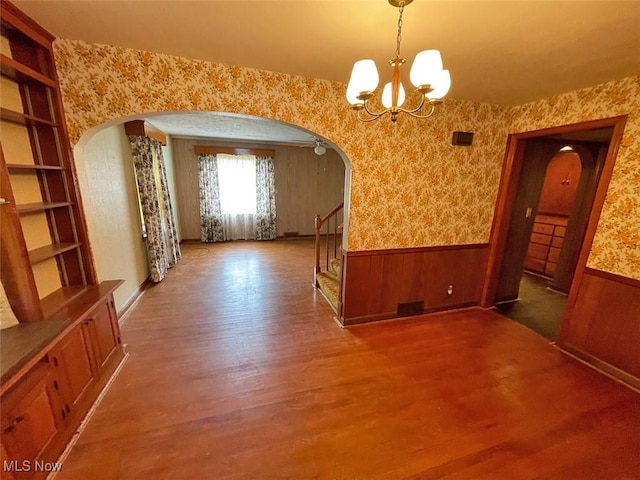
{"type": "Point", "coordinates": [237, 179]}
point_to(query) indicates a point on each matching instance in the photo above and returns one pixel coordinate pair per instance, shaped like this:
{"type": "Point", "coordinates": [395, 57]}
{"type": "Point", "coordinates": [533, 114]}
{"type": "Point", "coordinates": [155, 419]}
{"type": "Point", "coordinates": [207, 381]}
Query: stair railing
{"type": "Point", "coordinates": [330, 235]}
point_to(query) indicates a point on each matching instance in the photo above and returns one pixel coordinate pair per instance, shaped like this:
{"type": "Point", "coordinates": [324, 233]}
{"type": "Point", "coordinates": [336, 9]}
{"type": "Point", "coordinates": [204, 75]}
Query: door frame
{"type": "Point", "coordinates": [512, 165]}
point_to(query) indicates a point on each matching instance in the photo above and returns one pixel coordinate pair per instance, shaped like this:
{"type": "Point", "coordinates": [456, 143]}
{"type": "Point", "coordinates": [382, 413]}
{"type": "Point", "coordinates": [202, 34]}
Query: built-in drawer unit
{"type": "Point", "coordinates": [545, 244]}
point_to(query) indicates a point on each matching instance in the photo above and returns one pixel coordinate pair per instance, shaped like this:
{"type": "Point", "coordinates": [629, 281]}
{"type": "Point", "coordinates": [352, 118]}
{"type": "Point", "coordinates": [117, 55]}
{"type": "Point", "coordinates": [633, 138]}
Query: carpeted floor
{"type": "Point", "coordinates": [538, 308]}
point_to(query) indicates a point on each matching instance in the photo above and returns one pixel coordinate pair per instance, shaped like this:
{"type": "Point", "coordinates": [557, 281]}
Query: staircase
{"type": "Point", "coordinates": [328, 282]}
{"type": "Point", "coordinates": [328, 269]}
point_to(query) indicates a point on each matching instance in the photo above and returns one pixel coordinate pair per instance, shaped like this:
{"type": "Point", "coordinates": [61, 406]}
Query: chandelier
{"type": "Point", "coordinates": [432, 82]}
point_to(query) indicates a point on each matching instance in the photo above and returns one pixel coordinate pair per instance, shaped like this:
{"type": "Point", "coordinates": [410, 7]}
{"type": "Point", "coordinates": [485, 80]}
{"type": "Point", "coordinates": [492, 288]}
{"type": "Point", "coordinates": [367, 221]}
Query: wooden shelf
{"type": "Point", "coordinates": [19, 72]}
{"type": "Point", "coordinates": [39, 207]}
{"type": "Point", "coordinates": [49, 251]}
{"type": "Point", "coordinates": [20, 118]}
{"type": "Point", "coordinates": [30, 166]}
{"type": "Point", "coordinates": [42, 159]}
{"type": "Point", "coordinates": [61, 298]}
{"type": "Point", "coordinates": [77, 298]}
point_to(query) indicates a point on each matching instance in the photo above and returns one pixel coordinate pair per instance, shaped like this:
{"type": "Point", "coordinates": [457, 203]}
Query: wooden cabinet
{"type": "Point", "coordinates": [73, 369]}
{"type": "Point", "coordinates": [545, 244]}
{"type": "Point", "coordinates": [80, 357]}
{"type": "Point", "coordinates": [101, 328]}
{"type": "Point", "coordinates": [31, 419]}
{"type": "Point", "coordinates": [45, 401]}
{"type": "Point", "coordinates": [67, 345]}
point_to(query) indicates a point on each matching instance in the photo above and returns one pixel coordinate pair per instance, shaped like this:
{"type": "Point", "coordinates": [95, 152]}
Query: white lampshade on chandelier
{"type": "Point", "coordinates": [432, 82]}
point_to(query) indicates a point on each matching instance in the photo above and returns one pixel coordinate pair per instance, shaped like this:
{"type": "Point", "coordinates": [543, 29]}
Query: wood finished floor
{"type": "Point", "coordinates": [238, 371]}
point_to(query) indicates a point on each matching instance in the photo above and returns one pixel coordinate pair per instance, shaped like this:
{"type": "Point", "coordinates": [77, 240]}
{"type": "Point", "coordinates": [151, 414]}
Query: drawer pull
{"type": "Point", "coordinates": [13, 424]}
{"type": "Point", "coordinates": [55, 385]}
{"type": "Point", "coordinates": [54, 360]}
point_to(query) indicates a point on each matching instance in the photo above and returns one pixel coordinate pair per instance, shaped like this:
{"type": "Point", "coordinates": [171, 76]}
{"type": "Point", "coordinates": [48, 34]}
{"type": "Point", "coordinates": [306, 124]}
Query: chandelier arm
{"type": "Point", "coordinates": [420, 105]}
{"type": "Point", "coordinates": [417, 115]}
{"type": "Point", "coordinates": [370, 119]}
{"type": "Point", "coordinates": [373, 114]}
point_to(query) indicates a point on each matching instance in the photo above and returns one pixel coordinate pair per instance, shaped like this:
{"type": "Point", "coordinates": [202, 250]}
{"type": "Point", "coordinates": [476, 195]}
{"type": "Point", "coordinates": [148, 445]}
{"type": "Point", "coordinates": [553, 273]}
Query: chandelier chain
{"type": "Point", "coordinates": [399, 36]}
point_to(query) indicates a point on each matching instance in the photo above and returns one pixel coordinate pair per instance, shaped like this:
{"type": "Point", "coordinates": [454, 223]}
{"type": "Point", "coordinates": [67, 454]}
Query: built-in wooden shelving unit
{"type": "Point", "coordinates": [67, 343]}
{"type": "Point", "coordinates": [38, 187]}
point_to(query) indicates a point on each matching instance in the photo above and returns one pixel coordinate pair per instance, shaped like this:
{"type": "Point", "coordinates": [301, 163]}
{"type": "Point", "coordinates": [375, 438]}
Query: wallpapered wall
{"type": "Point", "coordinates": [616, 244]}
{"type": "Point", "coordinates": [409, 187]}
{"type": "Point", "coordinates": [108, 186]}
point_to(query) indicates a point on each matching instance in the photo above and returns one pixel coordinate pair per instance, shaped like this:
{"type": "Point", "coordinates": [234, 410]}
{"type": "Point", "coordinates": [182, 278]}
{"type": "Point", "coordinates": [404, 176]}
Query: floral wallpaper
{"type": "Point", "coordinates": [409, 186]}
{"type": "Point", "coordinates": [616, 247]}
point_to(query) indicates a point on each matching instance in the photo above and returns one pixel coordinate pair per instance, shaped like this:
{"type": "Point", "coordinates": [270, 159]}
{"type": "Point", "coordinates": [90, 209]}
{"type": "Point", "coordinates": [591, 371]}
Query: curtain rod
{"type": "Point", "coordinates": [210, 150]}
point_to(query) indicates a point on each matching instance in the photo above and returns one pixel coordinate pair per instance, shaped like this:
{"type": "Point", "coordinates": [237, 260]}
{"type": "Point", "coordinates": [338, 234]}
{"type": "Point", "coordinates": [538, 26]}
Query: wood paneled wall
{"type": "Point", "coordinates": [375, 282]}
{"type": "Point", "coordinates": [306, 185]}
{"type": "Point", "coordinates": [604, 325]}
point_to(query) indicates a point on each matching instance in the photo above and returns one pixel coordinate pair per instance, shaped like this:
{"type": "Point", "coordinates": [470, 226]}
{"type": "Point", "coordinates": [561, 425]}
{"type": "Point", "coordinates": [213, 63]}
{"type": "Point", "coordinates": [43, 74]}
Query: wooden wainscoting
{"type": "Point", "coordinates": [604, 325]}
{"type": "Point", "coordinates": [375, 282]}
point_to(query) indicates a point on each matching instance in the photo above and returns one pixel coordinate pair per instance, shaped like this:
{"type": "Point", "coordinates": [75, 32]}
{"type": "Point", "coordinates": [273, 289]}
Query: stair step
{"type": "Point", "coordinates": [335, 266]}
{"type": "Point", "coordinates": [330, 287]}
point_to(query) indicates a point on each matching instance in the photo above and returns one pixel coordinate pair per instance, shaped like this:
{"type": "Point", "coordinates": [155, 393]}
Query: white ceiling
{"type": "Point", "coordinates": [504, 52]}
{"type": "Point", "coordinates": [228, 126]}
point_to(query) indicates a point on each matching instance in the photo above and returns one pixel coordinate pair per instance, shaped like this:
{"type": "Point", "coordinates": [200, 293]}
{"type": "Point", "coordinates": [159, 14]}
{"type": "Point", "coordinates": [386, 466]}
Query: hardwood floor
{"type": "Point", "coordinates": [238, 371]}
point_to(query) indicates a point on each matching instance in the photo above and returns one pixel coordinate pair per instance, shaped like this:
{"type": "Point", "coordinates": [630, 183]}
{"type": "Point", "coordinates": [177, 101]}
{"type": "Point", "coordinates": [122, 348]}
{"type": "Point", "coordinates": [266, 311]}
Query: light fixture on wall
{"type": "Point", "coordinates": [432, 82]}
{"type": "Point", "coordinates": [319, 148]}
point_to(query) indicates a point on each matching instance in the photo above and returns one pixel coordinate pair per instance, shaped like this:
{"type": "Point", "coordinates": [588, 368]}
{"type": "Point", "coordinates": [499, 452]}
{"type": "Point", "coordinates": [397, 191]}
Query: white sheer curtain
{"type": "Point", "coordinates": [237, 180]}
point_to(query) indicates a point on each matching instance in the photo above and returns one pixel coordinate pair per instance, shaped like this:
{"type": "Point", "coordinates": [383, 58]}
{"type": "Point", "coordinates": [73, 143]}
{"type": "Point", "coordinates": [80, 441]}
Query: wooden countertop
{"type": "Point", "coordinates": [20, 343]}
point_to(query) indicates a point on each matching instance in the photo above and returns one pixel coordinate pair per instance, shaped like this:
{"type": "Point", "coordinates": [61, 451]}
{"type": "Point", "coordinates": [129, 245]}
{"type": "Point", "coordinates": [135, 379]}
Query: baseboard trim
{"type": "Point", "coordinates": [604, 368]}
{"type": "Point", "coordinates": [133, 299]}
{"type": "Point", "coordinates": [348, 322]}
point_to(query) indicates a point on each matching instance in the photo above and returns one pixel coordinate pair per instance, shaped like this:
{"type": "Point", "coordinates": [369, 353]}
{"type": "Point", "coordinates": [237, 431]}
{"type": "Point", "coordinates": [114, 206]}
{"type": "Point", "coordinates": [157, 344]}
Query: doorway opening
{"type": "Point", "coordinates": [553, 188]}
{"type": "Point", "coordinates": [307, 184]}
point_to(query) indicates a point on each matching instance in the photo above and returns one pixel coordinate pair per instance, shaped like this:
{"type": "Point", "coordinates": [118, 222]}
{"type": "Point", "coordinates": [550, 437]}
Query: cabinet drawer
{"type": "Point", "coordinates": [538, 251]}
{"type": "Point", "coordinates": [559, 232]}
{"type": "Point", "coordinates": [550, 268]}
{"type": "Point", "coordinates": [541, 238]}
{"type": "Point", "coordinates": [534, 264]}
{"type": "Point", "coordinates": [543, 228]}
{"type": "Point", "coordinates": [552, 219]}
{"type": "Point", "coordinates": [557, 242]}
{"type": "Point", "coordinates": [554, 253]}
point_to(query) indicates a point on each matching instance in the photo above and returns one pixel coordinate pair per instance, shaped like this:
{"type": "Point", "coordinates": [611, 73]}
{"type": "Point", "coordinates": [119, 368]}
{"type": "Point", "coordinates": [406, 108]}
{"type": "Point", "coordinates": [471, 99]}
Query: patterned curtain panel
{"type": "Point", "coordinates": [210, 210]}
{"type": "Point", "coordinates": [172, 244]}
{"type": "Point", "coordinates": [162, 243]}
{"type": "Point", "coordinates": [265, 199]}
